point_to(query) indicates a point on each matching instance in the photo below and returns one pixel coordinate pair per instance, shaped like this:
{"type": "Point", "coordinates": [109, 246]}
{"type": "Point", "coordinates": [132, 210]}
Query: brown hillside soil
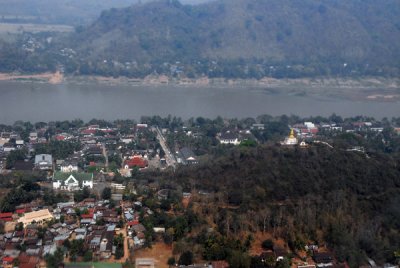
{"type": "Point", "coordinates": [259, 237]}
{"type": "Point", "coordinates": [160, 252]}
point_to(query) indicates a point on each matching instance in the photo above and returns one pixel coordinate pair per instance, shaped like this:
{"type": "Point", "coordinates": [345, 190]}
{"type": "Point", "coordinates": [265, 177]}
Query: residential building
{"type": "Point", "coordinates": [72, 181]}
{"type": "Point", "coordinates": [38, 217]}
{"type": "Point", "coordinates": [69, 166]}
{"type": "Point", "coordinates": [229, 137]}
{"type": "Point", "coordinates": [44, 162]}
{"type": "Point", "coordinates": [186, 156]}
{"type": "Point", "coordinates": [135, 161]}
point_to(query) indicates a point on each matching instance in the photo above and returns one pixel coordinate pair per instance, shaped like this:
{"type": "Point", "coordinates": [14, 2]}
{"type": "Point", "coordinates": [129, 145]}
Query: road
{"type": "Point", "coordinates": [105, 156]}
{"type": "Point", "coordinates": [126, 247]}
{"type": "Point", "coordinates": [169, 157]}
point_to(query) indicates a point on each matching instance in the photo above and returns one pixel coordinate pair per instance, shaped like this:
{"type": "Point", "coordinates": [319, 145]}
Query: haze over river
{"type": "Point", "coordinates": [32, 101]}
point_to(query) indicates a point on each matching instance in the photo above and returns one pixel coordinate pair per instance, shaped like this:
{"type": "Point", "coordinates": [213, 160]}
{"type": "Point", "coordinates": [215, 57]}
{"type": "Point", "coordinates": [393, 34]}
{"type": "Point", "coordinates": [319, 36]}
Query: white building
{"type": "Point", "coordinates": [69, 167]}
{"type": "Point", "coordinates": [44, 161]}
{"type": "Point", "coordinates": [72, 181]}
{"type": "Point", "coordinates": [229, 138]}
{"type": "Point", "coordinates": [309, 125]}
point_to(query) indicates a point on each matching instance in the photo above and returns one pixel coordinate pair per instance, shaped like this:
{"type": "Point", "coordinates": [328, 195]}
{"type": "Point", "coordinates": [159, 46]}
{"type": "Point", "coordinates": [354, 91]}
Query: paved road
{"type": "Point", "coordinates": [169, 157]}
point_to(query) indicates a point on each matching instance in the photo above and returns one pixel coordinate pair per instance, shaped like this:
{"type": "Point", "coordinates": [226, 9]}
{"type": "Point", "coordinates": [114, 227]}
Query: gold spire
{"type": "Point", "coordinates": [291, 135]}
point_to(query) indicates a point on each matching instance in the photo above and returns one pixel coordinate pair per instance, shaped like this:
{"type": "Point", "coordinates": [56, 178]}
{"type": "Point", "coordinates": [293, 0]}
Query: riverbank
{"type": "Point", "coordinates": [356, 89]}
{"type": "Point", "coordinates": [52, 78]}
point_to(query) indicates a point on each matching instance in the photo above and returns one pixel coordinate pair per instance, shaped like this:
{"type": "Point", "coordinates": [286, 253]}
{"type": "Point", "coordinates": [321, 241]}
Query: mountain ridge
{"type": "Point", "coordinates": [276, 31]}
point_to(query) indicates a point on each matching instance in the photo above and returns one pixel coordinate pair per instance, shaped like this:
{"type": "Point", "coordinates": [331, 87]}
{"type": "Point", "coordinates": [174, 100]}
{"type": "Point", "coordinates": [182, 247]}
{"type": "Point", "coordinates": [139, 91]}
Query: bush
{"type": "Point", "coordinates": [171, 261]}
{"type": "Point", "coordinates": [186, 258]}
{"type": "Point", "coordinates": [267, 244]}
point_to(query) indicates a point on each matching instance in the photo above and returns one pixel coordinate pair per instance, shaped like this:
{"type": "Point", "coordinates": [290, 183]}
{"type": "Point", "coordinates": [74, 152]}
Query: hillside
{"type": "Point", "coordinates": [344, 199]}
{"type": "Point", "coordinates": [313, 33]}
{"type": "Point", "coordinates": [71, 12]}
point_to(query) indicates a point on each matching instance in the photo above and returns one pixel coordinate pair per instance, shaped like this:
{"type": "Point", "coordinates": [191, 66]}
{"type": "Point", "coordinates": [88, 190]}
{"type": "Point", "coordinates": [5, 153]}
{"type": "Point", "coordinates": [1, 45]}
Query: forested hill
{"type": "Point", "coordinates": [312, 33]}
{"type": "Point", "coordinates": [347, 199]}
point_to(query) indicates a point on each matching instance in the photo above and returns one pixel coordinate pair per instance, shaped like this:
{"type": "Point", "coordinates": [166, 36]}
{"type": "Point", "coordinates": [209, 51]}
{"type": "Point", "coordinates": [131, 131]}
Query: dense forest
{"type": "Point", "coordinates": [232, 39]}
{"type": "Point", "coordinates": [346, 200]}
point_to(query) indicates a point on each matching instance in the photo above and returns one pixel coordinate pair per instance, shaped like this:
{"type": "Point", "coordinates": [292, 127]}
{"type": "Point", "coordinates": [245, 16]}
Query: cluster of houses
{"type": "Point", "coordinates": [96, 223]}
{"type": "Point", "coordinates": [97, 144]}
{"type": "Point", "coordinates": [137, 146]}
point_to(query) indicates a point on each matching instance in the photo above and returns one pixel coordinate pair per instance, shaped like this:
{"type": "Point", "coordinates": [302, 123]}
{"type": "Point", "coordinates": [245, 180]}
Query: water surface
{"type": "Point", "coordinates": [31, 101]}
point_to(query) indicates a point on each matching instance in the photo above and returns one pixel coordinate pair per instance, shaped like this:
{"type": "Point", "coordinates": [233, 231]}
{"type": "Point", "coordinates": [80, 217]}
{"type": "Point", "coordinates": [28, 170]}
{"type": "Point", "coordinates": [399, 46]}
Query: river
{"type": "Point", "coordinates": [34, 101]}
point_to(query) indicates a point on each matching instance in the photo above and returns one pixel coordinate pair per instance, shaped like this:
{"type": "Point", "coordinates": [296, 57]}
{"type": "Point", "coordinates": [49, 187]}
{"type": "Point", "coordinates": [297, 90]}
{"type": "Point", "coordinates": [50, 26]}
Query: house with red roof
{"type": "Point", "coordinates": [7, 260]}
{"type": "Point", "coordinates": [6, 216]}
{"type": "Point", "coordinates": [20, 211]}
{"type": "Point", "coordinates": [135, 161]}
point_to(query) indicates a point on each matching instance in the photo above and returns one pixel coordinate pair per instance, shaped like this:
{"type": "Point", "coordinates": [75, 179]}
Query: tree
{"type": "Point", "coordinates": [169, 236]}
{"type": "Point", "coordinates": [82, 194]}
{"type": "Point", "coordinates": [14, 156]}
{"type": "Point", "coordinates": [267, 244]}
{"type": "Point", "coordinates": [106, 194]}
{"type": "Point", "coordinates": [76, 249]}
{"type": "Point", "coordinates": [171, 261]}
{"type": "Point", "coordinates": [19, 226]}
{"type": "Point", "coordinates": [119, 243]}
{"type": "Point", "coordinates": [238, 259]}
{"type": "Point", "coordinates": [186, 258]}
{"type": "Point", "coordinates": [88, 256]}
{"type": "Point", "coordinates": [284, 263]}
{"type": "Point", "coordinates": [55, 260]}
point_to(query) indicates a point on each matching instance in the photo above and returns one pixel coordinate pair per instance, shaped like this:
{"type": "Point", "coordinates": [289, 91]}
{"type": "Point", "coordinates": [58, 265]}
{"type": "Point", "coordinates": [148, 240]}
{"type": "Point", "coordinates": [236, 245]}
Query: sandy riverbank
{"type": "Point", "coordinates": [52, 78]}
{"type": "Point", "coordinates": [367, 88]}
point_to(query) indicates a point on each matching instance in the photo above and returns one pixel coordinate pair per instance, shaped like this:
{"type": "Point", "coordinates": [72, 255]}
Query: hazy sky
{"type": "Point", "coordinates": [194, 1]}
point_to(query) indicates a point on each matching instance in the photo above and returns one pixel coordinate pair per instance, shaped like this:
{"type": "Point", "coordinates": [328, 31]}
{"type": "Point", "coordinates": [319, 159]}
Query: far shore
{"type": "Point", "coordinates": [364, 88]}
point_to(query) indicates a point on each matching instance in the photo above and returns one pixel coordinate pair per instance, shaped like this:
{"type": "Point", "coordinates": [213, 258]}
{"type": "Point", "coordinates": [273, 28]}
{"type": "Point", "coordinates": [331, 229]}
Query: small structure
{"type": "Point", "coordinates": [323, 259]}
{"type": "Point", "coordinates": [186, 156]}
{"type": "Point", "coordinates": [44, 162]}
{"type": "Point", "coordinates": [144, 263]}
{"type": "Point", "coordinates": [229, 137]}
{"type": "Point", "coordinates": [69, 166]}
{"type": "Point", "coordinates": [291, 140]}
{"type": "Point", "coordinates": [303, 144]}
{"type": "Point", "coordinates": [72, 181]}
{"type": "Point", "coordinates": [38, 217]}
{"type": "Point", "coordinates": [163, 194]}
{"type": "Point", "coordinates": [33, 136]}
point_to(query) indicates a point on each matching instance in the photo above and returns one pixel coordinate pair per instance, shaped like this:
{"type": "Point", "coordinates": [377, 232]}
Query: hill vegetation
{"type": "Point", "coordinates": [314, 37]}
{"type": "Point", "coordinates": [224, 38]}
{"type": "Point", "coordinates": [343, 199]}
{"type": "Point", "coordinates": [71, 12]}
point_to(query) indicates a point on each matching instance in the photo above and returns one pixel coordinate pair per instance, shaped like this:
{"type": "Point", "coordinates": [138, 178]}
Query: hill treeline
{"type": "Point", "coordinates": [250, 37]}
{"type": "Point", "coordinates": [346, 200]}
{"type": "Point", "coordinates": [225, 38]}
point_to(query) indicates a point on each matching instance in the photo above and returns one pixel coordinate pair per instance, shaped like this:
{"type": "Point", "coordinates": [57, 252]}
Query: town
{"type": "Point", "coordinates": [78, 194]}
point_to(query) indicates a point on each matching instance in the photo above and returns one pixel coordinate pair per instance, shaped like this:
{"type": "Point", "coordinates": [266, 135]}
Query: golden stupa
{"type": "Point", "coordinates": [291, 140]}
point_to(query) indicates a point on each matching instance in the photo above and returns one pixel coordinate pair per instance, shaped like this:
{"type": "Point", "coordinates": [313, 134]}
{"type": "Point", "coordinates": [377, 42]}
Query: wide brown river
{"type": "Point", "coordinates": [32, 101]}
